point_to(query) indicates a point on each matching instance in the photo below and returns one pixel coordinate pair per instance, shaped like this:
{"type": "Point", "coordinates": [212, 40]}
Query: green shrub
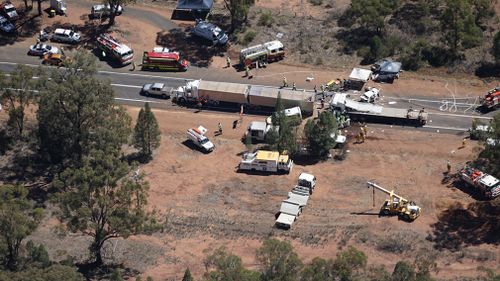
{"type": "Point", "coordinates": [248, 37]}
{"type": "Point", "coordinates": [316, 2]}
{"type": "Point", "coordinates": [266, 19]}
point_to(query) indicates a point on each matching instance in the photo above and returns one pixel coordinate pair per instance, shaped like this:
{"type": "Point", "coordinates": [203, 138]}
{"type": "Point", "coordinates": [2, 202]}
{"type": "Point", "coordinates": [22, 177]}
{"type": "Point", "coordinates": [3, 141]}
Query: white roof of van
{"type": "Point", "coordinates": [292, 111]}
{"type": "Point", "coordinates": [258, 126]}
{"type": "Point", "coordinates": [62, 31]}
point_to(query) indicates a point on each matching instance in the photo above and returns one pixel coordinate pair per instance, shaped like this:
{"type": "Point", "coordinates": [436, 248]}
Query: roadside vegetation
{"type": "Point", "coordinates": [73, 153]}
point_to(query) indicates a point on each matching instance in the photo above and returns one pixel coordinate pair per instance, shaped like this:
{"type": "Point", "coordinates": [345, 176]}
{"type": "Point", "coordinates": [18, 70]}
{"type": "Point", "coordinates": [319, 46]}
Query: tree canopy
{"type": "Point", "coordinates": [279, 261]}
{"type": "Point", "coordinates": [320, 134]}
{"type": "Point", "coordinates": [147, 133]}
{"type": "Point", "coordinates": [101, 202]}
{"type": "Point", "coordinates": [77, 113]}
{"type": "Point", "coordinates": [18, 219]}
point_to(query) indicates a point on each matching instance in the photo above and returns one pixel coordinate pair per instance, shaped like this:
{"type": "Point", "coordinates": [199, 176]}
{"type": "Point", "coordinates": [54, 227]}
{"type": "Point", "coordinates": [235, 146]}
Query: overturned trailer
{"type": "Point", "coordinates": [366, 112]}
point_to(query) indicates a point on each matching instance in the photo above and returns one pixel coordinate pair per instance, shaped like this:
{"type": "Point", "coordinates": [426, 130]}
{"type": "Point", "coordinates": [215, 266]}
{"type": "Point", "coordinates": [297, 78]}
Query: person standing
{"type": "Point", "coordinates": [247, 71]}
{"type": "Point", "coordinates": [285, 83]}
{"type": "Point", "coordinates": [294, 87]}
{"type": "Point", "coordinates": [228, 62]}
{"type": "Point", "coordinates": [220, 128]}
{"type": "Point", "coordinates": [448, 166]}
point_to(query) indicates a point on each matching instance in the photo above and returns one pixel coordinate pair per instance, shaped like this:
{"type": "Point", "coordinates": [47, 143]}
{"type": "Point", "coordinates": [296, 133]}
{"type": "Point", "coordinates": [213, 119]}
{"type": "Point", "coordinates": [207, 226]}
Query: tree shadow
{"type": "Point", "coordinates": [27, 26]}
{"type": "Point", "coordinates": [353, 39]}
{"type": "Point", "coordinates": [196, 51]}
{"type": "Point", "coordinates": [91, 271]}
{"type": "Point", "coordinates": [488, 69]}
{"type": "Point", "coordinates": [464, 226]}
{"type": "Point", "coordinates": [306, 160]}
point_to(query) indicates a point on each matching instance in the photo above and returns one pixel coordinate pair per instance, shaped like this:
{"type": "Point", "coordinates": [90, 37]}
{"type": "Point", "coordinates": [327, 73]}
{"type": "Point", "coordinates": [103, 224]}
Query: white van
{"type": "Point", "coordinates": [197, 136]}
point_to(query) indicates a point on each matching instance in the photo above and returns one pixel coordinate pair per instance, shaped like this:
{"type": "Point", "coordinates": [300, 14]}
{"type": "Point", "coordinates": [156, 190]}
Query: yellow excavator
{"type": "Point", "coordinates": [397, 205]}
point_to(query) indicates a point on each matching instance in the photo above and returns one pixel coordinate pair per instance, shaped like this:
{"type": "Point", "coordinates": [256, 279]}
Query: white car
{"type": "Point", "coordinates": [41, 49]}
{"type": "Point", "coordinates": [371, 94]}
{"type": "Point", "coordinates": [156, 89]}
{"type": "Point", "coordinates": [65, 36]}
{"type": "Point", "coordinates": [99, 11]}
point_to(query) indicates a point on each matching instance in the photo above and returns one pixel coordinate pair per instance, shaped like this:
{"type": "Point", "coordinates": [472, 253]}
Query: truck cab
{"type": "Point", "coordinates": [307, 180]}
{"type": "Point", "coordinates": [9, 11]}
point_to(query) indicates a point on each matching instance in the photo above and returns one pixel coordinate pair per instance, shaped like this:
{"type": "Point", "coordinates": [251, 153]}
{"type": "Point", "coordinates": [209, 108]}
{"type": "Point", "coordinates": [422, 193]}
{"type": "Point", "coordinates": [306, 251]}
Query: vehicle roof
{"type": "Point", "coordinates": [158, 85]}
{"type": "Point", "coordinates": [387, 65]}
{"type": "Point", "coordinates": [3, 19]}
{"type": "Point", "coordinates": [297, 198]}
{"type": "Point", "coordinates": [265, 155]}
{"type": "Point", "coordinates": [62, 31]}
{"type": "Point", "coordinates": [205, 25]}
{"type": "Point", "coordinates": [290, 208]}
{"type": "Point", "coordinates": [160, 49]}
{"type": "Point", "coordinates": [8, 5]}
{"type": "Point", "coordinates": [360, 74]}
{"type": "Point", "coordinates": [258, 125]}
{"type": "Point", "coordinates": [306, 177]}
{"type": "Point", "coordinates": [293, 111]}
{"type": "Point", "coordinates": [171, 55]}
{"type": "Point", "coordinates": [285, 219]}
{"type": "Point", "coordinates": [273, 45]}
{"type": "Point", "coordinates": [489, 180]}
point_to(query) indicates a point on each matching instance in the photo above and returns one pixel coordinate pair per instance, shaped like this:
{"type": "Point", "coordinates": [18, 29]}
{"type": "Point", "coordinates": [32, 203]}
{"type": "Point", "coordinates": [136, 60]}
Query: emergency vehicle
{"type": "Point", "coordinates": [491, 100]}
{"type": "Point", "coordinates": [262, 53]}
{"type": "Point", "coordinates": [197, 136]}
{"type": "Point", "coordinates": [116, 50]}
{"type": "Point", "coordinates": [267, 161]}
{"type": "Point", "coordinates": [163, 61]}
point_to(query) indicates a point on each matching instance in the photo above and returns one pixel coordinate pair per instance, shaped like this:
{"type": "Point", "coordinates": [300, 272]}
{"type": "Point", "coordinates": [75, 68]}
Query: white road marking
{"type": "Point", "coordinates": [126, 86]}
{"type": "Point", "coordinates": [150, 101]}
{"type": "Point", "coordinates": [461, 115]}
{"type": "Point", "coordinates": [446, 128]}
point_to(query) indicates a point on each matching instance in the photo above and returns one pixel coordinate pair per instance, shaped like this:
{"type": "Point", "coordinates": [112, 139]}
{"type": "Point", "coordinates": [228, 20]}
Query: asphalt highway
{"type": "Point", "coordinates": [444, 115]}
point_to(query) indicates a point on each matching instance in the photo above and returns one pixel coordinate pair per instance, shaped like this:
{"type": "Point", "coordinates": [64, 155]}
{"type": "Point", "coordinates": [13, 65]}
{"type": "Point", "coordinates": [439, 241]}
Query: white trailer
{"type": "Point", "coordinates": [267, 161]}
{"type": "Point", "coordinates": [289, 211]}
{"type": "Point", "coordinates": [258, 130]}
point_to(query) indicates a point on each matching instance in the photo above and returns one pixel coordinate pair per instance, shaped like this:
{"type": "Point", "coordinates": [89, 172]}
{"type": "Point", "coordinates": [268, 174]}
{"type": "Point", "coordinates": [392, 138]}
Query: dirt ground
{"type": "Point", "coordinates": [210, 205]}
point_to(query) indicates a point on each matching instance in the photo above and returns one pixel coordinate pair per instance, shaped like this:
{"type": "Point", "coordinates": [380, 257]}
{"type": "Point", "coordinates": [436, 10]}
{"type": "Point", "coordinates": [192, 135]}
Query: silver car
{"type": "Point", "coordinates": [156, 89]}
{"type": "Point", "coordinates": [210, 32]}
{"type": "Point", "coordinates": [65, 36]}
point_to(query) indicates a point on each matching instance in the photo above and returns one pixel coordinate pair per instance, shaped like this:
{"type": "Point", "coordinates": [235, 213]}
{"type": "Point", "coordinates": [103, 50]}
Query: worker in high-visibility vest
{"type": "Point", "coordinates": [448, 166]}
{"type": "Point", "coordinates": [228, 61]}
{"type": "Point", "coordinates": [285, 83]}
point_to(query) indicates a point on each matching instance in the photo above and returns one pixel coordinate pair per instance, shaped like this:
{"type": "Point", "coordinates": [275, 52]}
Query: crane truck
{"type": "Point", "coordinates": [397, 205]}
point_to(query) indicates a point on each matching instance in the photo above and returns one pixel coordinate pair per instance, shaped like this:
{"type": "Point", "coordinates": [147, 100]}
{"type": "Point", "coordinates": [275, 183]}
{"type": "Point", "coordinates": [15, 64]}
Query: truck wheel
{"type": "Point", "coordinates": [181, 100]}
{"type": "Point", "coordinates": [406, 217]}
{"type": "Point", "coordinates": [164, 96]}
{"type": "Point", "coordinates": [385, 212]}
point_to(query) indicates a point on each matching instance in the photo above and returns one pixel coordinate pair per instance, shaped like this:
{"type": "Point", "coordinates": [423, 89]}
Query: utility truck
{"type": "Point", "coordinates": [197, 136]}
{"type": "Point", "coordinates": [111, 47]}
{"type": "Point", "coordinates": [266, 161]}
{"type": "Point", "coordinates": [258, 130]}
{"type": "Point", "coordinates": [486, 184]}
{"type": "Point", "coordinates": [262, 53]}
{"type": "Point", "coordinates": [297, 199]}
{"type": "Point", "coordinates": [10, 12]}
{"type": "Point", "coordinates": [397, 205]}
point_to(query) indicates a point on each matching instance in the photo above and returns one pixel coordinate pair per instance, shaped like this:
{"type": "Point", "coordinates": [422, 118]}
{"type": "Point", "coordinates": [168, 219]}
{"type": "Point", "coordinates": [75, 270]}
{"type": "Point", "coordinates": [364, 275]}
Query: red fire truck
{"type": "Point", "coordinates": [116, 50]}
{"type": "Point", "coordinates": [170, 61]}
{"type": "Point", "coordinates": [491, 100]}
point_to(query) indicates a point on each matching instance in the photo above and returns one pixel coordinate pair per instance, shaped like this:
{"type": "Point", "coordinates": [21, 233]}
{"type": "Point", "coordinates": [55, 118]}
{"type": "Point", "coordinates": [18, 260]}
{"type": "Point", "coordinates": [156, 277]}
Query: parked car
{"type": "Point", "coordinates": [156, 89]}
{"type": "Point", "coordinates": [385, 70]}
{"type": "Point", "coordinates": [54, 59]}
{"type": "Point", "coordinates": [41, 49]}
{"type": "Point", "coordinates": [6, 26]}
{"type": "Point", "coordinates": [99, 11]}
{"type": "Point", "coordinates": [9, 10]}
{"type": "Point", "coordinates": [210, 32]}
{"type": "Point", "coordinates": [65, 36]}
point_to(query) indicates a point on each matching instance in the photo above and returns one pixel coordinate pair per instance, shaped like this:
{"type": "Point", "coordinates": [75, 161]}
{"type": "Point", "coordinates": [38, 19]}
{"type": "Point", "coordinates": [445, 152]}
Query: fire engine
{"type": "Point", "coordinates": [163, 61]}
{"type": "Point", "coordinates": [491, 100]}
{"type": "Point", "coordinates": [487, 184]}
{"type": "Point", "coordinates": [262, 53]}
{"type": "Point", "coordinates": [116, 50]}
